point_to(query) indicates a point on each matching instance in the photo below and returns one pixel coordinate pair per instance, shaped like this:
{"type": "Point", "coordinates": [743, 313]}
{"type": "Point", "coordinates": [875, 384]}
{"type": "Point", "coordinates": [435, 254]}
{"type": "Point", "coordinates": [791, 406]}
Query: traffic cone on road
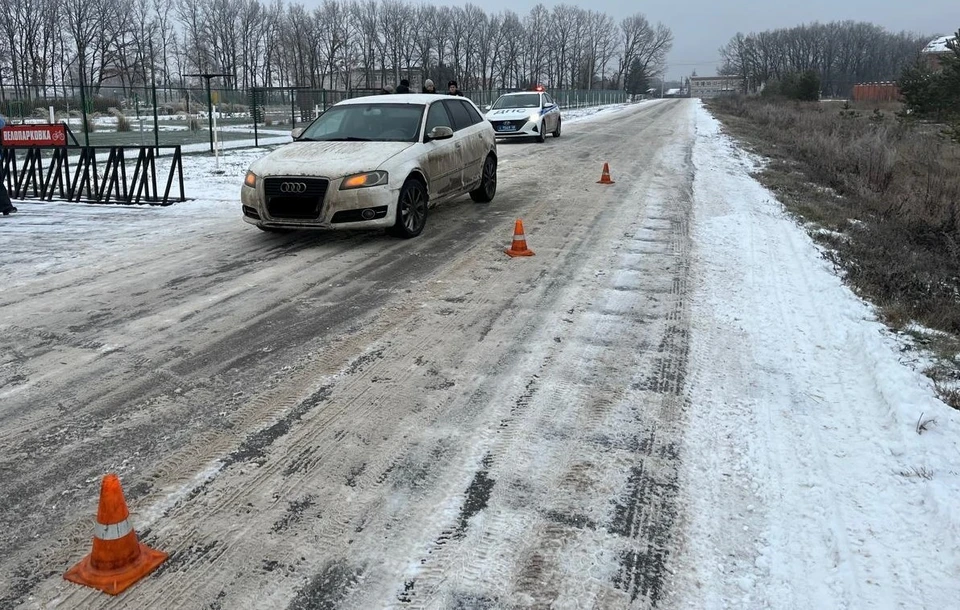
{"type": "Point", "coordinates": [118, 559]}
{"type": "Point", "coordinates": [605, 177]}
{"type": "Point", "coordinates": [519, 245]}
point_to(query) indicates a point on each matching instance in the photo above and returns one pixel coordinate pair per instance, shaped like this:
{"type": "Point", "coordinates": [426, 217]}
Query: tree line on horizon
{"type": "Point", "coordinates": [841, 54]}
{"type": "Point", "coordinates": [341, 45]}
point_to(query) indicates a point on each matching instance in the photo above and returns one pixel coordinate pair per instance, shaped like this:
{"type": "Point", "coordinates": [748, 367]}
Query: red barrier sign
{"type": "Point", "coordinates": [33, 135]}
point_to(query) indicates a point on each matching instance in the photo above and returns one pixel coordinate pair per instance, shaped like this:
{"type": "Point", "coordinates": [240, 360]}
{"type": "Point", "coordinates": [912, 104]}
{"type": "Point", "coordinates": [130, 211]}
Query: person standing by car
{"type": "Point", "coordinates": [387, 90]}
{"type": "Point", "coordinates": [453, 89]}
{"type": "Point", "coordinates": [6, 206]}
{"type": "Point", "coordinates": [404, 86]}
{"type": "Point", "coordinates": [429, 87]}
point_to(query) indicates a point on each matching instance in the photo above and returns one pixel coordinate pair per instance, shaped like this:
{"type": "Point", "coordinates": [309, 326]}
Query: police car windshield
{"type": "Point", "coordinates": [366, 123]}
{"type": "Point", "coordinates": [524, 100]}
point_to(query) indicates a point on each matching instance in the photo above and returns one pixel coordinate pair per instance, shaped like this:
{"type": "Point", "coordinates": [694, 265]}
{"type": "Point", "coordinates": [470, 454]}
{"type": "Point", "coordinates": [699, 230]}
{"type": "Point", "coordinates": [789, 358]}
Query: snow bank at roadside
{"type": "Point", "coordinates": [807, 485]}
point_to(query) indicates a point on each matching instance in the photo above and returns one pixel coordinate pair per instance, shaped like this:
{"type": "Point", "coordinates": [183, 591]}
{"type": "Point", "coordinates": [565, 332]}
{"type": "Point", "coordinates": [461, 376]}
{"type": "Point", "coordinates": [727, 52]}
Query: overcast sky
{"type": "Point", "coordinates": [700, 27]}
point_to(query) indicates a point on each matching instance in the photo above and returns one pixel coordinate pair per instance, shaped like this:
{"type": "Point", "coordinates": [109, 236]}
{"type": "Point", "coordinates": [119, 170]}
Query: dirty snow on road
{"type": "Point", "coordinates": [349, 420]}
{"type": "Point", "coordinates": [806, 482]}
{"type": "Point", "coordinates": [675, 403]}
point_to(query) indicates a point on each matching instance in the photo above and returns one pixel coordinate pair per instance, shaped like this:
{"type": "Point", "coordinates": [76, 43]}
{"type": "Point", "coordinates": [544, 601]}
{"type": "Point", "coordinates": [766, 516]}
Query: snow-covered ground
{"type": "Point", "coordinates": [808, 484]}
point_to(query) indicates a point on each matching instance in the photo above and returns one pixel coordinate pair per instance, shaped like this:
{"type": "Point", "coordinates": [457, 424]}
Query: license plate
{"type": "Point", "coordinates": [508, 128]}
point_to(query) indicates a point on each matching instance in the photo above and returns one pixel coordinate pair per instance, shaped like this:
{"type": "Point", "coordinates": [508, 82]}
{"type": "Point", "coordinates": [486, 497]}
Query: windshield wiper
{"type": "Point", "coordinates": [348, 139]}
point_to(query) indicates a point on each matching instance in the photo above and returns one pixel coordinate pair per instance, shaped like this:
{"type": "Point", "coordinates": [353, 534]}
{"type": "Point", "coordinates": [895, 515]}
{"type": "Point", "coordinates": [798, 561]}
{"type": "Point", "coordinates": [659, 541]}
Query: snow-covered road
{"type": "Point", "coordinates": [673, 404]}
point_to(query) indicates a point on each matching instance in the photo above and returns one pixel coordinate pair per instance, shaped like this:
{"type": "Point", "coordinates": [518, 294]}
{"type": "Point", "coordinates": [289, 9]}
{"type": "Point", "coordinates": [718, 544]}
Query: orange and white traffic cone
{"type": "Point", "coordinates": [519, 245]}
{"type": "Point", "coordinates": [118, 559]}
{"type": "Point", "coordinates": [605, 177]}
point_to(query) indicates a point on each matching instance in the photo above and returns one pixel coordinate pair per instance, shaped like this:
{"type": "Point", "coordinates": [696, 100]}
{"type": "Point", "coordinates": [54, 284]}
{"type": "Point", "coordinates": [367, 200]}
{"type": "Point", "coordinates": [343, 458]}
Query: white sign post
{"type": "Point", "coordinates": [216, 140]}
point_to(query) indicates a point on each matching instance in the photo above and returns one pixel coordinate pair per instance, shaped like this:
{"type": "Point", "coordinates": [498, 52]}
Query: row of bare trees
{"type": "Point", "coordinates": [842, 53]}
{"type": "Point", "coordinates": [341, 44]}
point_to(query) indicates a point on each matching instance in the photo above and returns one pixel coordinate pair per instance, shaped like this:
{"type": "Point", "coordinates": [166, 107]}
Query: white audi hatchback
{"type": "Point", "coordinates": [372, 162]}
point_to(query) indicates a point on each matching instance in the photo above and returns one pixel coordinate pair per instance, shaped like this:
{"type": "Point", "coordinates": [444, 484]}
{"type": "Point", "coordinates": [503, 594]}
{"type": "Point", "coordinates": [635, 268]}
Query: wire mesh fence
{"type": "Point", "coordinates": [188, 117]}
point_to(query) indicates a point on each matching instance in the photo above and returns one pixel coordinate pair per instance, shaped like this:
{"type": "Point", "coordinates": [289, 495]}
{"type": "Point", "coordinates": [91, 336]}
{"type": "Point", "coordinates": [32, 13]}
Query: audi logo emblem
{"type": "Point", "coordinates": [293, 187]}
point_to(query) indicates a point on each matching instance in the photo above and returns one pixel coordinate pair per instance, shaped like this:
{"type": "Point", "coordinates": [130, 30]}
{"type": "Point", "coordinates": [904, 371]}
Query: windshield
{"type": "Point", "coordinates": [374, 122]}
{"type": "Point", "coordinates": [525, 100]}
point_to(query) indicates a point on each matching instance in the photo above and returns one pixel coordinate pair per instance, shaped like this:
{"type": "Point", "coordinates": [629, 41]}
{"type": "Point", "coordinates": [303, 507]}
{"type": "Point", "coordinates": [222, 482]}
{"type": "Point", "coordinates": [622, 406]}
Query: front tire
{"type": "Point", "coordinates": [488, 182]}
{"type": "Point", "coordinates": [541, 136]}
{"type": "Point", "coordinates": [556, 132]}
{"type": "Point", "coordinates": [411, 210]}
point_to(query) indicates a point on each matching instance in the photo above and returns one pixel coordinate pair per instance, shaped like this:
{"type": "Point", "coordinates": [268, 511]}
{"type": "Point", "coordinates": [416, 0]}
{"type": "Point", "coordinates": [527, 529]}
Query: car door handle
{"type": "Point", "coordinates": [458, 145]}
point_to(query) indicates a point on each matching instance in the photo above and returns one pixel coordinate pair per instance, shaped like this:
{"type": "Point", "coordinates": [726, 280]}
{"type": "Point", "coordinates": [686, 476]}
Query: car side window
{"type": "Point", "coordinates": [472, 112]}
{"type": "Point", "coordinates": [438, 117]}
{"type": "Point", "coordinates": [548, 100]}
{"type": "Point", "coordinates": [461, 120]}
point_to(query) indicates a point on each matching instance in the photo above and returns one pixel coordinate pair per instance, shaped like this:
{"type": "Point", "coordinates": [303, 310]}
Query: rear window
{"type": "Point", "coordinates": [472, 111]}
{"type": "Point", "coordinates": [461, 120]}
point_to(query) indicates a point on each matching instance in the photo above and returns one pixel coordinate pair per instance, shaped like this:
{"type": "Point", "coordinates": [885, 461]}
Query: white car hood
{"type": "Point", "coordinates": [328, 159]}
{"type": "Point", "coordinates": [512, 114]}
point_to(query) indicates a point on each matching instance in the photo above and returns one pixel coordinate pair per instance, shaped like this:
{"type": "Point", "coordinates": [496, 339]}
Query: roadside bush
{"type": "Point", "coordinates": [802, 87]}
{"type": "Point", "coordinates": [123, 123]}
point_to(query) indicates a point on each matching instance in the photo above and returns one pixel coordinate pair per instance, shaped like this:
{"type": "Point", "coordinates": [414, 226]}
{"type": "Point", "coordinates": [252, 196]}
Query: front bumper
{"type": "Point", "coordinates": [529, 129]}
{"type": "Point", "coordinates": [363, 208]}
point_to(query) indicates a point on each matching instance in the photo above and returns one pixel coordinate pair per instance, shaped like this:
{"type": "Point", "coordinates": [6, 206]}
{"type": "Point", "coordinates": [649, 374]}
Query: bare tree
{"type": "Point", "coordinates": [644, 45]}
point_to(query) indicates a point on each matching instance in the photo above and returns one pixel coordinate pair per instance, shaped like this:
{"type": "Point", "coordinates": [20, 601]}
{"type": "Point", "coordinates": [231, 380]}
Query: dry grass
{"type": "Point", "coordinates": [123, 123]}
{"type": "Point", "coordinates": [887, 193]}
{"type": "Point", "coordinates": [892, 188]}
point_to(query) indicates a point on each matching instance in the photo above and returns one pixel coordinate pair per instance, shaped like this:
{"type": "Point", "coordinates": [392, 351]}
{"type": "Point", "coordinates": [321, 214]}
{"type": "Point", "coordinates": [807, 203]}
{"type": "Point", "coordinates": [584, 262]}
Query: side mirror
{"type": "Point", "coordinates": [296, 133]}
{"type": "Point", "coordinates": [488, 107]}
{"type": "Point", "coordinates": [440, 133]}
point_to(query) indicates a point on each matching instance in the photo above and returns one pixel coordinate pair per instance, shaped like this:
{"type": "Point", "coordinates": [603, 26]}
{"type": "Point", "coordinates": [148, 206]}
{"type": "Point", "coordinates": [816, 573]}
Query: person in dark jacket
{"type": "Point", "coordinates": [453, 89]}
{"type": "Point", "coordinates": [429, 87]}
{"type": "Point", "coordinates": [404, 86]}
{"type": "Point", "coordinates": [6, 206]}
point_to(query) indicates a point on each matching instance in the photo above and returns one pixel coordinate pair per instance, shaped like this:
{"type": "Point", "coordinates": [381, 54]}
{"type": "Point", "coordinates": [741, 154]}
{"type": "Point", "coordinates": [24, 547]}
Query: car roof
{"type": "Point", "coordinates": [522, 93]}
{"type": "Point", "coordinates": [419, 99]}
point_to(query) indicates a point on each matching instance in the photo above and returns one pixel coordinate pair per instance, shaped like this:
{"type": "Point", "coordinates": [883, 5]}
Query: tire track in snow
{"type": "Point", "coordinates": [538, 577]}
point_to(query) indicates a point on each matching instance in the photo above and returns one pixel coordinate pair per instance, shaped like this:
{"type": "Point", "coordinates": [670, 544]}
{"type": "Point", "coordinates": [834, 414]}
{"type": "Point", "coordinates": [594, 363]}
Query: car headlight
{"type": "Point", "coordinates": [250, 180]}
{"type": "Point", "coordinates": [359, 181]}
{"type": "Point", "coordinates": [534, 117]}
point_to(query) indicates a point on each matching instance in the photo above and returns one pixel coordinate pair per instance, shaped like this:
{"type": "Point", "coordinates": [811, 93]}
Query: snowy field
{"type": "Point", "coordinates": [676, 403]}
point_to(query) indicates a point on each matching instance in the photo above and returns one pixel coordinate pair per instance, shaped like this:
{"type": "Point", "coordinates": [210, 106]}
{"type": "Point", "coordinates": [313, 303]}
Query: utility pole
{"type": "Point", "coordinates": [207, 76]}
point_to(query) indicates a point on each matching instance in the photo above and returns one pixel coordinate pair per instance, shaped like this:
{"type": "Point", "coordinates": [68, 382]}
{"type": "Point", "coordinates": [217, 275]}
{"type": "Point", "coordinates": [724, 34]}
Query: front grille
{"type": "Point", "coordinates": [295, 197]}
{"type": "Point", "coordinates": [357, 215]}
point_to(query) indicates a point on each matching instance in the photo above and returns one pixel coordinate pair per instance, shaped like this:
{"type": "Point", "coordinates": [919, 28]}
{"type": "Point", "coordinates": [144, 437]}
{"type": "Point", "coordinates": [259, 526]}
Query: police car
{"type": "Point", "coordinates": [526, 114]}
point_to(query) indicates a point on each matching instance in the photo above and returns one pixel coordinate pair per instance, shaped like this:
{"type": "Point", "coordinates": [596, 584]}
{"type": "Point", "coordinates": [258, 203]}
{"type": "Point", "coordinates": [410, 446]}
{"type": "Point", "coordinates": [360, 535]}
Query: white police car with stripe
{"type": "Point", "coordinates": [525, 114]}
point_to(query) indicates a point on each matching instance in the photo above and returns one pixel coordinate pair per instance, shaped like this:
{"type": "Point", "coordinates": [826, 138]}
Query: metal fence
{"type": "Point", "coordinates": [195, 118]}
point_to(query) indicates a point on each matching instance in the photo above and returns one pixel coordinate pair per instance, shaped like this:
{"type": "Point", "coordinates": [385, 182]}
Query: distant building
{"type": "Point", "coordinates": [936, 49]}
{"type": "Point", "coordinates": [712, 86]}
